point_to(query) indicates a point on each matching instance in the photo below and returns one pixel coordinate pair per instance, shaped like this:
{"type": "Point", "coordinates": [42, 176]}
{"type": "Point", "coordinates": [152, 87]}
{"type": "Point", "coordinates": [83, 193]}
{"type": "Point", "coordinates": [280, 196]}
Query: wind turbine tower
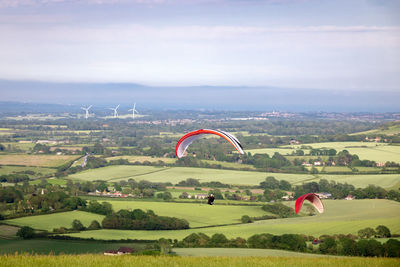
{"type": "Point", "coordinates": [115, 111]}
{"type": "Point", "coordinates": [87, 111]}
{"type": "Point", "coordinates": [133, 111]}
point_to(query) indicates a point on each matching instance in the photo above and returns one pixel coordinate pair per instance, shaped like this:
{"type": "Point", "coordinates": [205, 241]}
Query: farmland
{"type": "Point", "coordinates": [35, 160]}
{"type": "Point", "coordinates": [100, 260]}
{"type": "Point", "coordinates": [56, 220]}
{"type": "Point", "coordinates": [177, 174]}
{"type": "Point", "coordinates": [340, 217]}
{"type": "Point", "coordinates": [198, 215]}
{"type": "Point", "coordinates": [379, 152]}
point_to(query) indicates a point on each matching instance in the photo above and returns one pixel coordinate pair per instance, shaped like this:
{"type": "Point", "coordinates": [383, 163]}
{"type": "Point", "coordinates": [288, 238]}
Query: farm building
{"type": "Point", "coordinates": [120, 251]}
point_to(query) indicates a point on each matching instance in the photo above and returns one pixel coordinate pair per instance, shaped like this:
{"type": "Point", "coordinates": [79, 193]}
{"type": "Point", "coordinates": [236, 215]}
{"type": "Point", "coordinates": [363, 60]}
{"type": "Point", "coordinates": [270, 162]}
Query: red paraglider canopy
{"type": "Point", "coordinates": [313, 198]}
{"type": "Point", "coordinates": [188, 138]}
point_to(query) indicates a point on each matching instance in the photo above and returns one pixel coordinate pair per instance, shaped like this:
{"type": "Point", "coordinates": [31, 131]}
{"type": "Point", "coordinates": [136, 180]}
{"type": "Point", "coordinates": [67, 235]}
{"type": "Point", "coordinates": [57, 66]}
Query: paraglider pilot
{"type": "Point", "coordinates": [211, 199]}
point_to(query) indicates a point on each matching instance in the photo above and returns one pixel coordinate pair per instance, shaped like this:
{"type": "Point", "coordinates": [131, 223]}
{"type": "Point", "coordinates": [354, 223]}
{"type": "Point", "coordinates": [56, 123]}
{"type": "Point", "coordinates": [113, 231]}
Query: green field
{"type": "Point", "coordinates": [20, 146]}
{"type": "Point", "coordinates": [340, 217]}
{"type": "Point", "coordinates": [35, 160]}
{"type": "Point", "coordinates": [177, 174]}
{"type": "Point", "coordinates": [47, 246]}
{"type": "Point", "coordinates": [197, 214]}
{"type": "Point", "coordinates": [56, 220]}
{"type": "Point", "coordinates": [14, 169]}
{"type": "Point", "coordinates": [271, 151]}
{"type": "Point", "coordinates": [53, 181]}
{"type": "Point", "coordinates": [100, 260]}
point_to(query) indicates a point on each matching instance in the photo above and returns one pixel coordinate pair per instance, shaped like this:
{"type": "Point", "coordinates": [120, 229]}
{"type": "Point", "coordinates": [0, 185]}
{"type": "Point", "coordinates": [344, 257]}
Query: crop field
{"type": "Point", "coordinates": [100, 260]}
{"type": "Point", "coordinates": [35, 160]}
{"type": "Point", "coordinates": [340, 217]}
{"type": "Point", "coordinates": [47, 246]}
{"type": "Point", "coordinates": [15, 169]}
{"type": "Point", "coordinates": [56, 220]}
{"type": "Point", "coordinates": [198, 215]}
{"type": "Point", "coordinates": [177, 174]}
{"type": "Point", "coordinates": [7, 232]}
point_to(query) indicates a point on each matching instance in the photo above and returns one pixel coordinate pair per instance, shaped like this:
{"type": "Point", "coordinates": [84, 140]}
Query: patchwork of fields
{"type": "Point", "coordinates": [177, 174]}
{"type": "Point", "coordinates": [379, 152]}
{"type": "Point", "coordinates": [340, 217]}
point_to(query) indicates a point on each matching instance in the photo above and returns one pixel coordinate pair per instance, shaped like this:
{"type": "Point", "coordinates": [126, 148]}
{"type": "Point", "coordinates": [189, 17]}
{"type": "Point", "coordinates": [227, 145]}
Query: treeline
{"type": "Point", "coordinates": [137, 219]}
{"type": "Point", "coordinates": [274, 190]}
{"type": "Point", "coordinates": [345, 245]}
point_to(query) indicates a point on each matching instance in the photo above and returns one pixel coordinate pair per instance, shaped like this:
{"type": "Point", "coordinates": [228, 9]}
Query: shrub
{"type": "Point", "coordinates": [77, 225]}
{"type": "Point", "coordinates": [26, 232]}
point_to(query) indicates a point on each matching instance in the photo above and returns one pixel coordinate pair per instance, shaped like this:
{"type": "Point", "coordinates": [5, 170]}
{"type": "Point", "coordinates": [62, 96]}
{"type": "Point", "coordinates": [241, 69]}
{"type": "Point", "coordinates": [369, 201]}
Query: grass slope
{"type": "Point", "coordinates": [56, 220]}
{"type": "Point", "coordinates": [100, 260]}
{"type": "Point", "coordinates": [177, 174]}
{"type": "Point", "coordinates": [197, 215]}
{"type": "Point", "coordinates": [340, 217]}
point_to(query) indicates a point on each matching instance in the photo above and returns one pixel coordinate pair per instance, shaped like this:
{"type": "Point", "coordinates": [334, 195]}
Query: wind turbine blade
{"type": "Point", "coordinates": [89, 107]}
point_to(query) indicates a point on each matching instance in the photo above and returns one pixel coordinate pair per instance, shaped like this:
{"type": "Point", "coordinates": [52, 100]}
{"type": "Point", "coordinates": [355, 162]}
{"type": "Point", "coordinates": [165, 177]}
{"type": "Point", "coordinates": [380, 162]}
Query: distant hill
{"type": "Point", "coordinates": [196, 97]}
{"type": "Point", "coordinates": [390, 128]}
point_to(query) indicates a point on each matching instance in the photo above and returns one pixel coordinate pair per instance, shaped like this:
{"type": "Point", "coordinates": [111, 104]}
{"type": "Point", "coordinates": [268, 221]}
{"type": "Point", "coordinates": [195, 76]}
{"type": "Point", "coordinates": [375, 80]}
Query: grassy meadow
{"type": "Point", "coordinates": [100, 260]}
{"type": "Point", "coordinates": [35, 160]}
{"type": "Point", "coordinates": [198, 215]}
{"type": "Point", "coordinates": [340, 217]}
{"type": "Point", "coordinates": [177, 174]}
{"type": "Point", "coordinates": [56, 220]}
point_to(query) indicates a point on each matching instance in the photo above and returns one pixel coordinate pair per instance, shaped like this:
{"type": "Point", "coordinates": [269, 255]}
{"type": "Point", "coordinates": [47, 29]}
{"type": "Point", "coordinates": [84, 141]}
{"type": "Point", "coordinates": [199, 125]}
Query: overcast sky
{"type": "Point", "coordinates": [320, 44]}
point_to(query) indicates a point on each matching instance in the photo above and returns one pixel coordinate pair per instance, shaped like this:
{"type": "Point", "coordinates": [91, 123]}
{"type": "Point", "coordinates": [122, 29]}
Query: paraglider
{"type": "Point", "coordinates": [210, 199]}
{"type": "Point", "coordinates": [188, 138]}
{"type": "Point", "coordinates": [313, 198]}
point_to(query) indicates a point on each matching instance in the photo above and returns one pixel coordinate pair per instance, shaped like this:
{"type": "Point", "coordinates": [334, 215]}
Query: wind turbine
{"type": "Point", "coordinates": [133, 111]}
{"type": "Point", "coordinates": [115, 111]}
{"type": "Point", "coordinates": [87, 111]}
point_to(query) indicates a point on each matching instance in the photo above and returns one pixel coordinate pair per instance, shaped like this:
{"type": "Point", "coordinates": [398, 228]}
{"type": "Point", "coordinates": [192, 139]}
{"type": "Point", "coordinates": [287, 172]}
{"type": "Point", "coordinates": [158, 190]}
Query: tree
{"type": "Point", "coordinates": [218, 240]}
{"type": "Point", "coordinates": [246, 219]}
{"type": "Point", "coordinates": [366, 232]}
{"type": "Point", "coordinates": [77, 225]}
{"type": "Point", "coordinates": [329, 246]}
{"type": "Point", "coordinates": [94, 225]}
{"type": "Point", "coordinates": [382, 231]}
{"type": "Point", "coordinates": [26, 232]}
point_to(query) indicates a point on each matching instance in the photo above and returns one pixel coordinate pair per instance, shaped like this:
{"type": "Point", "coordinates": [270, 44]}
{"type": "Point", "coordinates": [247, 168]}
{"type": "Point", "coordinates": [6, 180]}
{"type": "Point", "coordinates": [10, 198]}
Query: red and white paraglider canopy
{"type": "Point", "coordinates": [188, 138]}
{"type": "Point", "coordinates": [313, 198]}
